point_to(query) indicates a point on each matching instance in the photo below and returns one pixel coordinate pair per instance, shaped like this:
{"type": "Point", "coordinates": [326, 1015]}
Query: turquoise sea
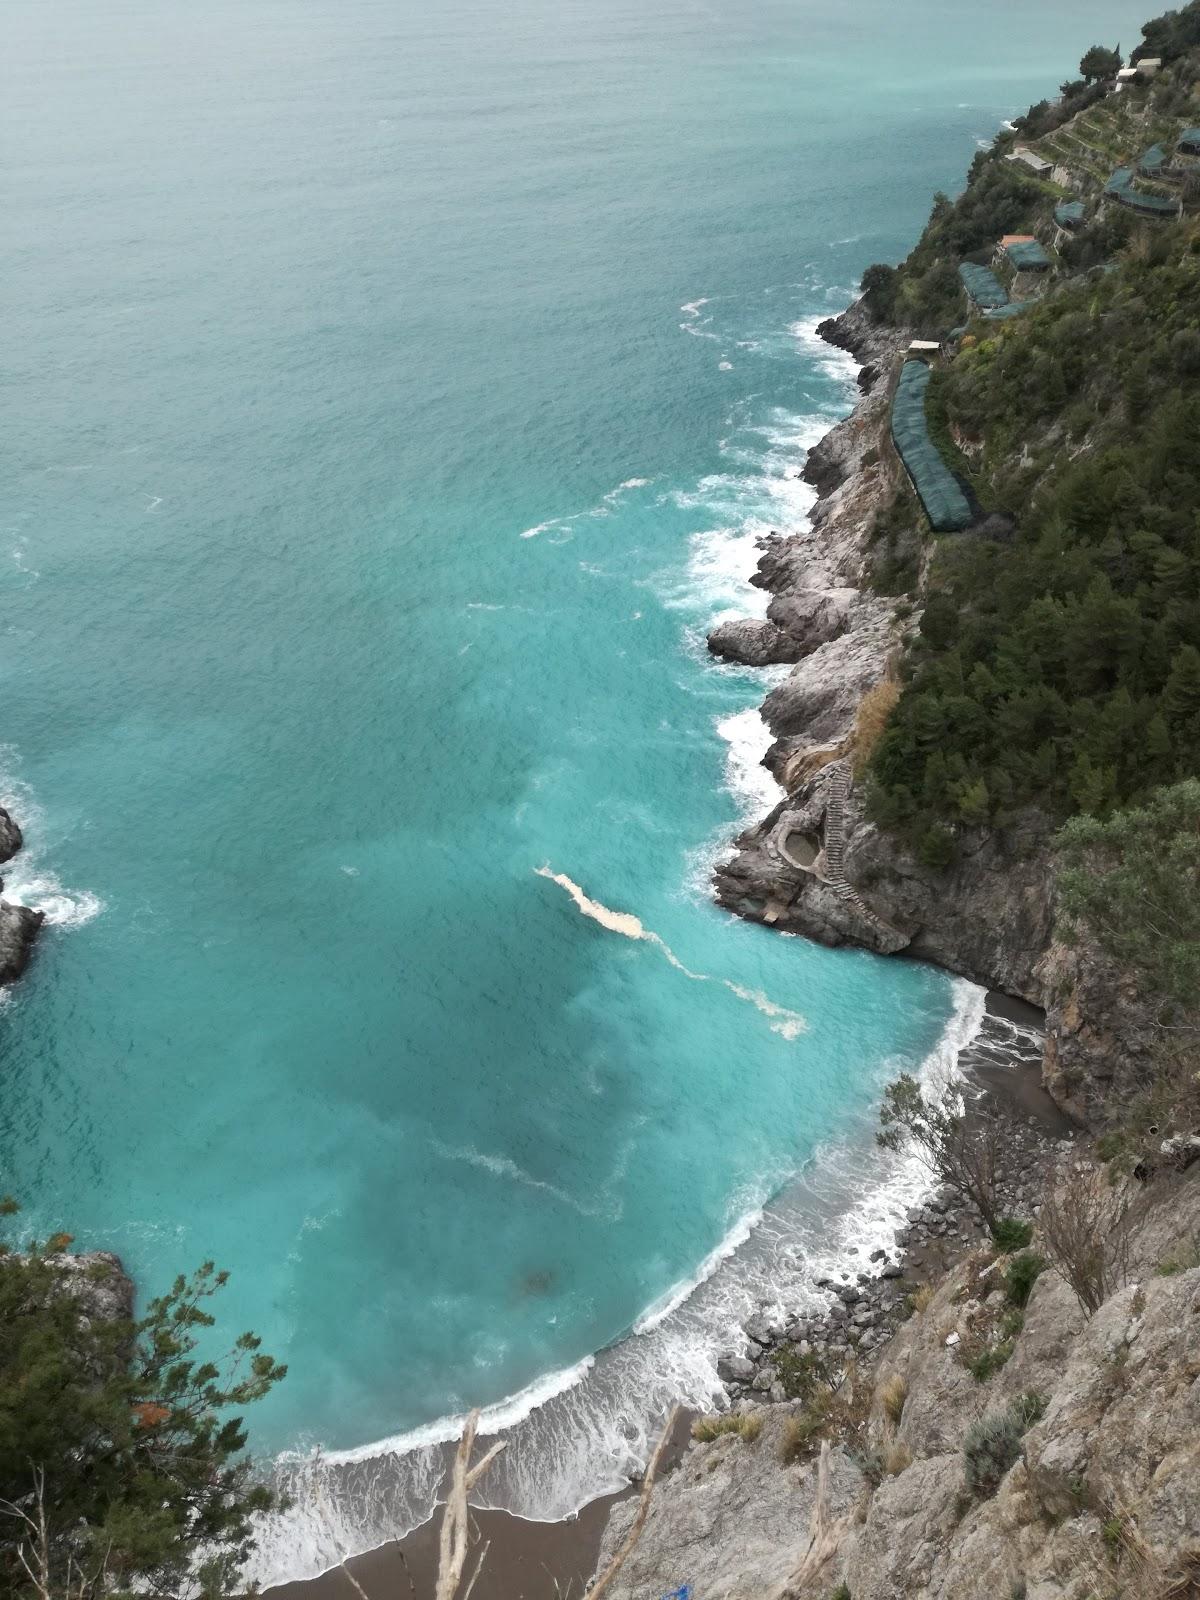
{"type": "Point", "coordinates": [394, 395]}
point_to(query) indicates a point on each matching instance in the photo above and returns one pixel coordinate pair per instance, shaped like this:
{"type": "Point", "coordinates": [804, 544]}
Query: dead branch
{"type": "Point", "coordinates": [825, 1533]}
{"type": "Point", "coordinates": [452, 1542]}
{"type": "Point", "coordinates": [643, 1511]}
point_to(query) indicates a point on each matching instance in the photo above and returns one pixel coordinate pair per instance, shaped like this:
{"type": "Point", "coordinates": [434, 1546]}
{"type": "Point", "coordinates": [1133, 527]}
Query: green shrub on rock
{"type": "Point", "coordinates": [993, 1444]}
{"type": "Point", "coordinates": [1010, 1233]}
{"type": "Point", "coordinates": [1023, 1272]}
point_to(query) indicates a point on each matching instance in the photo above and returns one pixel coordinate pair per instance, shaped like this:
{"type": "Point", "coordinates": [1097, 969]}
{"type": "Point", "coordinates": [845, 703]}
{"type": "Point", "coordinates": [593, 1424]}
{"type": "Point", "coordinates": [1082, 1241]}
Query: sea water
{"type": "Point", "coordinates": [395, 396]}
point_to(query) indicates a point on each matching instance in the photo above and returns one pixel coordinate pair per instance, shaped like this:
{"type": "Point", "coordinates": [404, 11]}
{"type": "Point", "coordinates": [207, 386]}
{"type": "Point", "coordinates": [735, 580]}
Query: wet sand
{"type": "Point", "coordinates": [524, 1560]}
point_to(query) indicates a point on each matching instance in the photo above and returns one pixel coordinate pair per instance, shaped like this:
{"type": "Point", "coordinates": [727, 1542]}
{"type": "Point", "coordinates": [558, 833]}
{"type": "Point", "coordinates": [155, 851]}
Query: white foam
{"type": "Point", "coordinates": [27, 879]}
{"type": "Point", "coordinates": [583, 1430]}
{"type": "Point", "coordinates": [682, 1291]}
{"type": "Point", "coordinates": [748, 738]}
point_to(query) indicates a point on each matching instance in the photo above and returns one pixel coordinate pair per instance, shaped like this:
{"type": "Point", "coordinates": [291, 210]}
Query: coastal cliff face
{"type": "Point", "coordinates": [817, 865]}
{"type": "Point", "coordinates": [19, 925]}
{"type": "Point", "coordinates": [1102, 1497]}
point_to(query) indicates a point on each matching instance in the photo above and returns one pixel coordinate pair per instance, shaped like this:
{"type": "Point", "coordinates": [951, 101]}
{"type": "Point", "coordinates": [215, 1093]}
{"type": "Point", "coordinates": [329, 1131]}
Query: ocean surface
{"type": "Point", "coordinates": [394, 396]}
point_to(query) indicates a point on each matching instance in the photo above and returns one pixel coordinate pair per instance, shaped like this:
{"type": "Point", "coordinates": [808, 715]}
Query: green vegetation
{"type": "Point", "coordinates": [1099, 62]}
{"type": "Point", "coordinates": [1023, 1272]}
{"type": "Point", "coordinates": [989, 1360]}
{"type": "Point", "coordinates": [1057, 663]}
{"type": "Point", "coordinates": [961, 1153]}
{"type": "Point", "coordinates": [119, 1438]}
{"type": "Point", "coordinates": [1063, 668]}
{"type": "Point", "coordinates": [1011, 1233]}
{"type": "Point", "coordinates": [1130, 883]}
{"type": "Point", "coordinates": [993, 1444]}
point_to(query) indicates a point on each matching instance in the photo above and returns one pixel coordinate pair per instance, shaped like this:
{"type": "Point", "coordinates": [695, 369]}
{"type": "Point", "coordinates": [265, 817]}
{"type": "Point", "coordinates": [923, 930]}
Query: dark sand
{"type": "Point", "coordinates": [554, 1560]}
{"type": "Point", "coordinates": [524, 1561]}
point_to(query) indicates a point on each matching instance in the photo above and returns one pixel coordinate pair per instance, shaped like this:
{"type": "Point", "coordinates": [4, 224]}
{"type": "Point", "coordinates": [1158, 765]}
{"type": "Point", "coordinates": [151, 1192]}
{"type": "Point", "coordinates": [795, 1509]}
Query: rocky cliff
{"type": "Point", "coordinates": [817, 865]}
{"type": "Point", "coordinates": [1097, 1496]}
{"type": "Point", "coordinates": [18, 924]}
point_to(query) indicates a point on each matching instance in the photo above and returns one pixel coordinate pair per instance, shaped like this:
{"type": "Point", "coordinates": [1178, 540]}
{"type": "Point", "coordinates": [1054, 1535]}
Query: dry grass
{"type": "Point", "coordinates": [922, 1295]}
{"type": "Point", "coordinates": [805, 764]}
{"type": "Point", "coordinates": [874, 710]}
{"type": "Point", "coordinates": [747, 1426]}
{"type": "Point", "coordinates": [892, 1396]}
{"type": "Point", "coordinates": [896, 1457]}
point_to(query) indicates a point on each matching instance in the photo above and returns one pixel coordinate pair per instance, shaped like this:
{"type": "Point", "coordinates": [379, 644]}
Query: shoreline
{"type": "Point", "coordinates": [535, 1553]}
{"type": "Point", "coordinates": [551, 1559]}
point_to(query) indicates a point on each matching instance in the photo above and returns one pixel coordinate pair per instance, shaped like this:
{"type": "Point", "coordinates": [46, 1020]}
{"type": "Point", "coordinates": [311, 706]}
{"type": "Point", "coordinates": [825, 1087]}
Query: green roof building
{"type": "Point", "coordinates": [937, 488]}
{"type": "Point", "coordinates": [1070, 214]}
{"type": "Point", "coordinates": [1027, 255]}
{"type": "Point", "coordinates": [983, 287]}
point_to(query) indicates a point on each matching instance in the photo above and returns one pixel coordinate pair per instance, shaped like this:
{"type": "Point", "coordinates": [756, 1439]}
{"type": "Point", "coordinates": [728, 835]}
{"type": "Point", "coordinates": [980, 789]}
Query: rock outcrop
{"type": "Point", "coordinates": [1102, 1497]}
{"type": "Point", "coordinates": [19, 924]}
{"type": "Point", "coordinates": [991, 915]}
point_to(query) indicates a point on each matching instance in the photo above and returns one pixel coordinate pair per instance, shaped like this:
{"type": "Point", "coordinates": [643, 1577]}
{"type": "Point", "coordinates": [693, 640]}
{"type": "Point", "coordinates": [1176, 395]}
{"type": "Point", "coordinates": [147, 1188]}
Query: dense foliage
{"type": "Point", "coordinates": [121, 1465]}
{"type": "Point", "coordinates": [1131, 882]}
{"type": "Point", "coordinates": [1063, 667]}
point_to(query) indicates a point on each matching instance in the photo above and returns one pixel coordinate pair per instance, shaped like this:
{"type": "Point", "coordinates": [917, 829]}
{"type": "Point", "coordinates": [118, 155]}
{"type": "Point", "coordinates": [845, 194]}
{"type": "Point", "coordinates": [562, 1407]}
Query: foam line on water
{"type": "Point", "coordinates": [788, 1024]}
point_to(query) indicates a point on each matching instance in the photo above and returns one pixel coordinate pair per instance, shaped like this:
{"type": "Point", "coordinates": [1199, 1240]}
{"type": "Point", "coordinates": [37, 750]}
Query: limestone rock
{"type": "Point", "coordinates": [10, 836]}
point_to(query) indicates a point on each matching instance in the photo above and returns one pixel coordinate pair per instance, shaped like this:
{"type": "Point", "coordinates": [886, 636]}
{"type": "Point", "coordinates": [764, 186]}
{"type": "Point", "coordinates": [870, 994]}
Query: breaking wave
{"type": "Point", "coordinates": [584, 1430]}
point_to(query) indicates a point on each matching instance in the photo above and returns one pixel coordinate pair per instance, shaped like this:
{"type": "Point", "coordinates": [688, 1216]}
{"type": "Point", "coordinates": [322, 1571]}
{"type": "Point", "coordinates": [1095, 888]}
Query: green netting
{"type": "Point", "coordinates": [982, 285]}
{"type": "Point", "coordinates": [1014, 308]}
{"type": "Point", "coordinates": [944, 502]}
{"type": "Point", "coordinates": [1069, 213]}
{"type": "Point", "coordinates": [1028, 256]}
{"type": "Point", "coordinates": [1154, 160]}
{"type": "Point", "coordinates": [1189, 141]}
{"type": "Point", "coordinates": [1120, 187]}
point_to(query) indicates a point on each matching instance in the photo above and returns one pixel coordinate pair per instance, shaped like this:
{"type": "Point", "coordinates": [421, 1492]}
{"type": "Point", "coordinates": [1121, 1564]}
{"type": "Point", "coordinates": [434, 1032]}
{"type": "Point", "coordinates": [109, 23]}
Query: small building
{"type": "Point", "coordinates": [1023, 252]}
{"type": "Point", "coordinates": [984, 289]}
{"type": "Point", "coordinates": [923, 350]}
{"type": "Point", "coordinates": [1149, 67]}
{"type": "Point", "coordinates": [1030, 158]}
{"type": "Point", "coordinates": [1152, 162]}
{"type": "Point", "coordinates": [1125, 77]}
{"type": "Point", "coordinates": [1187, 150]}
{"type": "Point", "coordinates": [1070, 215]}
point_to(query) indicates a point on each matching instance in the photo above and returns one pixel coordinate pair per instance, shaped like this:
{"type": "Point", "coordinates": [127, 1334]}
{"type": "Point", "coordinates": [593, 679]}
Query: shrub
{"type": "Point", "coordinates": [1109, 1146]}
{"type": "Point", "coordinates": [800, 1433]}
{"type": "Point", "coordinates": [896, 1457]}
{"type": "Point", "coordinates": [892, 1396]}
{"type": "Point", "coordinates": [993, 1444]}
{"type": "Point", "coordinates": [920, 1297]}
{"type": "Point", "coordinates": [989, 1360]}
{"type": "Point", "coordinates": [1024, 1270]}
{"type": "Point", "coordinates": [122, 1465]}
{"type": "Point", "coordinates": [1010, 1233]}
{"type": "Point", "coordinates": [1086, 1228]}
{"type": "Point", "coordinates": [800, 1375]}
{"type": "Point", "coordinates": [871, 718]}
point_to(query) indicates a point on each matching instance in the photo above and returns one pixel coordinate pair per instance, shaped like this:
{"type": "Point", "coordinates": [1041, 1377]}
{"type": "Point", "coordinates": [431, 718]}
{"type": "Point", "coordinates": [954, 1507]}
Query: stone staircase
{"type": "Point", "coordinates": [835, 849]}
